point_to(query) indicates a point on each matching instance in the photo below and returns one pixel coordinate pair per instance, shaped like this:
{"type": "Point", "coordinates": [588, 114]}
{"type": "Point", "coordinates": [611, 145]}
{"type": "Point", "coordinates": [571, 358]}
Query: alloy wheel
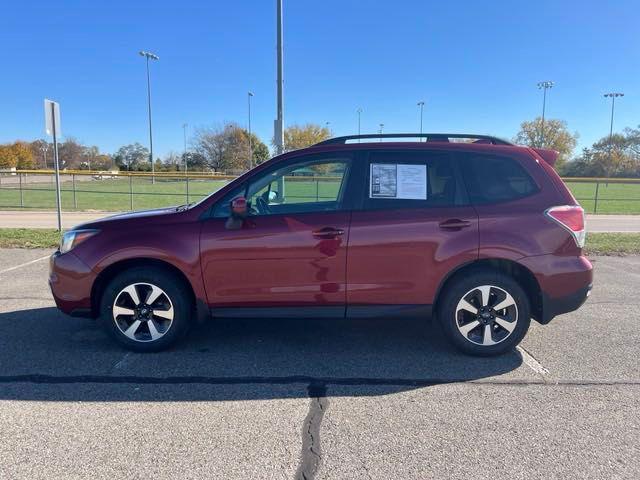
{"type": "Point", "coordinates": [143, 312]}
{"type": "Point", "coordinates": [486, 315]}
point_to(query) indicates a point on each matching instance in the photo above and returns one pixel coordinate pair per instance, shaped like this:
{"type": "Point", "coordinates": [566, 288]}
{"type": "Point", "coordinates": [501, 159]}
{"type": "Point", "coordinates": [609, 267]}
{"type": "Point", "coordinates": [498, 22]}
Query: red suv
{"type": "Point", "coordinates": [472, 229]}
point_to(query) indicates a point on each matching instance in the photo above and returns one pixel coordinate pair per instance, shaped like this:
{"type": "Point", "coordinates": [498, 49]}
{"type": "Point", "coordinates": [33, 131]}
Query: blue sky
{"type": "Point", "coordinates": [474, 63]}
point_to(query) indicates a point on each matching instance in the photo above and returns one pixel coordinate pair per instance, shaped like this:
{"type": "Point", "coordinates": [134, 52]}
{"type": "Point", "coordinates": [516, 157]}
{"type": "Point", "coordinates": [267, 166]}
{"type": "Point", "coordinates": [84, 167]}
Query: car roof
{"type": "Point", "coordinates": [428, 137]}
{"type": "Point", "coordinates": [432, 145]}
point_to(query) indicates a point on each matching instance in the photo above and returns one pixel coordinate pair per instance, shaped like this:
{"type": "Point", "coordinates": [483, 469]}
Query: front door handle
{"type": "Point", "coordinates": [328, 232]}
{"type": "Point", "coordinates": [454, 224]}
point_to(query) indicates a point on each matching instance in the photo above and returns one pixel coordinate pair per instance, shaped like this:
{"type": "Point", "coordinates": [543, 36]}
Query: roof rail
{"type": "Point", "coordinates": [430, 137]}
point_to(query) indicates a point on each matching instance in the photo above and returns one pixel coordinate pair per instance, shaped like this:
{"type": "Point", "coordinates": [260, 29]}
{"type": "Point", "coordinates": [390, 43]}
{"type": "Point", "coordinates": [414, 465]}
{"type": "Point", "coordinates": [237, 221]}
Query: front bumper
{"type": "Point", "coordinates": [71, 281]}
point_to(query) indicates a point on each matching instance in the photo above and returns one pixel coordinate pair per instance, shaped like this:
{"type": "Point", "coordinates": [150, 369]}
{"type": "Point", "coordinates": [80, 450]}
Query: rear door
{"type": "Point", "coordinates": [413, 227]}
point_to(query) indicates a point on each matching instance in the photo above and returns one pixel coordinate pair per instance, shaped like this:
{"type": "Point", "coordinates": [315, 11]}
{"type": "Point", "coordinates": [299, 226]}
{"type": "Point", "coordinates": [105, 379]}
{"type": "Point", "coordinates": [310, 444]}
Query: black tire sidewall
{"type": "Point", "coordinates": [463, 284]}
{"type": "Point", "coordinates": [168, 282]}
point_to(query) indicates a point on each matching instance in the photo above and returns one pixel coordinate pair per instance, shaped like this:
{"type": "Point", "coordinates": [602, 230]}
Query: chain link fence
{"type": "Point", "coordinates": [121, 191]}
{"type": "Point", "coordinates": [105, 191]}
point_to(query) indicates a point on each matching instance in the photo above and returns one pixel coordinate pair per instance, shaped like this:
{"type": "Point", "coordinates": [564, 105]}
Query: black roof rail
{"type": "Point", "coordinates": [430, 137]}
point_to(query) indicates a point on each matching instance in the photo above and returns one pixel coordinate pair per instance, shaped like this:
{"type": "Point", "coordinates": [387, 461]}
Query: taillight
{"type": "Point", "coordinates": [571, 217]}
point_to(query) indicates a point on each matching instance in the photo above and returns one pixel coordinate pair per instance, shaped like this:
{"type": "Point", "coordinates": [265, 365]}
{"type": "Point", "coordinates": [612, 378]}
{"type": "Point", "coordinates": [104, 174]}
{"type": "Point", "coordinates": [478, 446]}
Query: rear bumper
{"type": "Point", "coordinates": [71, 281]}
{"type": "Point", "coordinates": [551, 307]}
{"type": "Point", "coordinates": [565, 283]}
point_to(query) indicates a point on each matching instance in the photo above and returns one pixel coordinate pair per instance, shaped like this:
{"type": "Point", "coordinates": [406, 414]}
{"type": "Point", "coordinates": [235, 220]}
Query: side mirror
{"type": "Point", "coordinates": [239, 210]}
{"type": "Point", "coordinates": [239, 207]}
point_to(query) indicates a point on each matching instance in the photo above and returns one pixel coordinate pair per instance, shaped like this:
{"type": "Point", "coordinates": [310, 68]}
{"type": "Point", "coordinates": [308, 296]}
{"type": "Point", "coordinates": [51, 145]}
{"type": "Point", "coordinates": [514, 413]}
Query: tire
{"type": "Point", "coordinates": [160, 324]}
{"type": "Point", "coordinates": [470, 321]}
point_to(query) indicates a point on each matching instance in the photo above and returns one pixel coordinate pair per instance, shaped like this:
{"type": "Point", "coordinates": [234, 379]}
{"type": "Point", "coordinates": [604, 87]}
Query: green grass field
{"type": "Point", "coordinates": [110, 195]}
{"type": "Point", "coordinates": [612, 198]}
{"type": "Point", "coordinates": [113, 194]}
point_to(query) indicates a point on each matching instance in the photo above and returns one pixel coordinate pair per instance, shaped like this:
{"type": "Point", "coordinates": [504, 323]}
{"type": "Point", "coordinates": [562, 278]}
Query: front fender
{"type": "Point", "coordinates": [177, 245]}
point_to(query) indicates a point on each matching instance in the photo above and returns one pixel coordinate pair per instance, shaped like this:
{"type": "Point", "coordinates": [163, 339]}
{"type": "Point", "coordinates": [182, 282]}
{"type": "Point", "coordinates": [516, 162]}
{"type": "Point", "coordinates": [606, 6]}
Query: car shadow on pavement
{"type": "Point", "coordinates": [232, 359]}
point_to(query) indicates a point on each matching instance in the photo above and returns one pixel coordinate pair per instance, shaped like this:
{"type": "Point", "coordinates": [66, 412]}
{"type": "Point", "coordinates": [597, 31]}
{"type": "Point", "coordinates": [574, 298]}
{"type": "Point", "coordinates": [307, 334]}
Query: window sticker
{"type": "Point", "coordinates": [398, 181]}
{"type": "Point", "coordinates": [383, 180]}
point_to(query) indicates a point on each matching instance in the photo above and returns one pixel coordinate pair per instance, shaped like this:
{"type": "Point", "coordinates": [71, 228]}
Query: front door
{"type": "Point", "coordinates": [291, 249]}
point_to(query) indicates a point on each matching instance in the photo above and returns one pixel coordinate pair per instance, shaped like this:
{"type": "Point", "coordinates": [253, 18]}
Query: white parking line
{"type": "Point", "coordinates": [23, 265]}
{"type": "Point", "coordinates": [122, 362]}
{"type": "Point", "coordinates": [531, 362]}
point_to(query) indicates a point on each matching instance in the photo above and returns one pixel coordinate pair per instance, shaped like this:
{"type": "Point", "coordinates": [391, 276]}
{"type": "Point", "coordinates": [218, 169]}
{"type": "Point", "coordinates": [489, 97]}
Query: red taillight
{"type": "Point", "coordinates": [570, 217]}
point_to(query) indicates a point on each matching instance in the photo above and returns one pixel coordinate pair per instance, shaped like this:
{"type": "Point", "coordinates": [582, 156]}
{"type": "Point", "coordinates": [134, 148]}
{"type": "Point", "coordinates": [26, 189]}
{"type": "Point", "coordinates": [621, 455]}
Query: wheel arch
{"type": "Point", "coordinates": [517, 271]}
{"type": "Point", "coordinates": [110, 272]}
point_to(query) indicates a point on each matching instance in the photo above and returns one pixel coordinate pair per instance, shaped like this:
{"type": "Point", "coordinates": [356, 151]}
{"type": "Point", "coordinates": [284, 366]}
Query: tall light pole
{"type": "Point", "coordinates": [279, 123]}
{"type": "Point", "coordinates": [359, 110]}
{"type": "Point", "coordinates": [149, 55]}
{"type": "Point", "coordinates": [381, 130]}
{"type": "Point", "coordinates": [421, 105]}
{"type": "Point", "coordinates": [613, 96]}
{"type": "Point", "coordinates": [184, 154]}
{"type": "Point", "coordinates": [249, 95]}
{"type": "Point", "coordinates": [544, 86]}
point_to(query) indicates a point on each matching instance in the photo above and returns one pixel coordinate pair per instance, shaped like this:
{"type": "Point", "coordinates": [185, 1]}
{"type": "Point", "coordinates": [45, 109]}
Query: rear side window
{"type": "Point", "coordinates": [494, 179]}
{"type": "Point", "coordinates": [409, 179]}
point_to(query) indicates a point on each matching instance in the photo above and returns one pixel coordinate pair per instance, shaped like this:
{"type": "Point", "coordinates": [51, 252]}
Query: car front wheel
{"type": "Point", "coordinates": [485, 313]}
{"type": "Point", "coordinates": [145, 309]}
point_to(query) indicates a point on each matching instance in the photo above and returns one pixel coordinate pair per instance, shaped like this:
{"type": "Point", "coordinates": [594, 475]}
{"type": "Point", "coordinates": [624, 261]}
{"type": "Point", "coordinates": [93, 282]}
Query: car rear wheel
{"type": "Point", "coordinates": [485, 313]}
{"type": "Point", "coordinates": [145, 309]}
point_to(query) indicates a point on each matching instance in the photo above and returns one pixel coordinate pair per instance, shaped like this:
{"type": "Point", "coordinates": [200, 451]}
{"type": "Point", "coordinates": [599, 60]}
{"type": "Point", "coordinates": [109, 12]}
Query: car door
{"type": "Point", "coordinates": [290, 250]}
{"type": "Point", "coordinates": [413, 227]}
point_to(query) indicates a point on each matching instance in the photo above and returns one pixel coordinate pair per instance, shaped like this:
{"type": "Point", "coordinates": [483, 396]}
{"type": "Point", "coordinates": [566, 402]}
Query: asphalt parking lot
{"type": "Point", "coordinates": [318, 399]}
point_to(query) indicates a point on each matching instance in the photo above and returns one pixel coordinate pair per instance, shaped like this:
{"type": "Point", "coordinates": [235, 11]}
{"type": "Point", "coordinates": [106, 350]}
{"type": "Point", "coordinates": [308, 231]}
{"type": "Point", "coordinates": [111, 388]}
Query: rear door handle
{"type": "Point", "coordinates": [328, 232]}
{"type": "Point", "coordinates": [454, 224]}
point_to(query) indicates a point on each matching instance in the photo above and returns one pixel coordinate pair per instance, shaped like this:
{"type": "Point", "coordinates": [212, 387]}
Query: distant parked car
{"type": "Point", "coordinates": [483, 235]}
{"type": "Point", "coordinates": [102, 175]}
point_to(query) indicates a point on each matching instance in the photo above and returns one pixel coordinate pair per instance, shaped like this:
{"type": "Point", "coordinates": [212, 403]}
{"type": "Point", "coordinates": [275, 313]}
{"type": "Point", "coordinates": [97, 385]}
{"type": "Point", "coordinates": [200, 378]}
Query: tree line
{"type": "Point", "coordinates": [225, 148]}
{"type": "Point", "coordinates": [230, 148]}
{"type": "Point", "coordinates": [39, 155]}
{"type": "Point", "coordinates": [615, 156]}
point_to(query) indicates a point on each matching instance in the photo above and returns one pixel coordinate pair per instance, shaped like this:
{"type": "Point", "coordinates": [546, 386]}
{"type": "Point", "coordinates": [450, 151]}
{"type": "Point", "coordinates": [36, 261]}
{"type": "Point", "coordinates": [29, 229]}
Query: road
{"type": "Point", "coordinates": [282, 399]}
{"type": "Point", "coordinates": [42, 219]}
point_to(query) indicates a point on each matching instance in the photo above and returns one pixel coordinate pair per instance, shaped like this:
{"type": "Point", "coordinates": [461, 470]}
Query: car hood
{"type": "Point", "coordinates": [125, 217]}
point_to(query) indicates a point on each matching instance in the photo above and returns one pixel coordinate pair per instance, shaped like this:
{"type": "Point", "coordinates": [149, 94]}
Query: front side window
{"type": "Point", "coordinates": [493, 179]}
{"type": "Point", "coordinates": [303, 187]}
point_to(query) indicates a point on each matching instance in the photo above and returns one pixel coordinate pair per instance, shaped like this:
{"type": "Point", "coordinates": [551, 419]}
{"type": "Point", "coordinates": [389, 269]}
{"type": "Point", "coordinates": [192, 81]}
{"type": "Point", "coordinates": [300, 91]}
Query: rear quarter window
{"type": "Point", "coordinates": [495, 179]}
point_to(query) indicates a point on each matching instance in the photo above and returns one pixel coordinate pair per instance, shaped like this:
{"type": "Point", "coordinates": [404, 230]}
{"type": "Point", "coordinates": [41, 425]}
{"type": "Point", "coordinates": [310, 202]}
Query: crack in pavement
{"type": "Point", "coordinates": [311, 454]}
{"type": "Point", "coordinates": [297, 379]}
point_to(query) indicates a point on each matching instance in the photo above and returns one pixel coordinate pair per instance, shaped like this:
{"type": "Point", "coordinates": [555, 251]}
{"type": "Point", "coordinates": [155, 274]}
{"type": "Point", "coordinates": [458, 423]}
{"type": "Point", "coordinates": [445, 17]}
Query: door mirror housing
{"type": "Point", "coordinates": [239, 207]}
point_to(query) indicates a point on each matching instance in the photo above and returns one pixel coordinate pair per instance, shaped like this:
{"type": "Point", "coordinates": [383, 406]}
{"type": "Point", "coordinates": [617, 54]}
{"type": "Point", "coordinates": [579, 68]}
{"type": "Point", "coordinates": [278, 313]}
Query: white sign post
{"type": "Point", "coordinates": [52, 127]}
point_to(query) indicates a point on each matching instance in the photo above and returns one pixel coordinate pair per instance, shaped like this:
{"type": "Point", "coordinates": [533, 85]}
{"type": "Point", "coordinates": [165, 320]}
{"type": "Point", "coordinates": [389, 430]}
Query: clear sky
{"type": "Point", "coordinates": [474, 63]}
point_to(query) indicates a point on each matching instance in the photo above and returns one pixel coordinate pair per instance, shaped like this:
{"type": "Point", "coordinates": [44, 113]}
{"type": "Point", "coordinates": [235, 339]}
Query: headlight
{"type": "Point", "coordinates": [74, 238]}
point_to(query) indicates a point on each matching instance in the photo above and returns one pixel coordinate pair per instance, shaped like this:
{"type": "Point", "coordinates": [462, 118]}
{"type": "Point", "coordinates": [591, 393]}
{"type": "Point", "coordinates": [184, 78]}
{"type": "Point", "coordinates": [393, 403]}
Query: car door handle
{"type": "Point", "coordinates": [328, 232]}
{"type": "Point", "coordinates": [454, 224]}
